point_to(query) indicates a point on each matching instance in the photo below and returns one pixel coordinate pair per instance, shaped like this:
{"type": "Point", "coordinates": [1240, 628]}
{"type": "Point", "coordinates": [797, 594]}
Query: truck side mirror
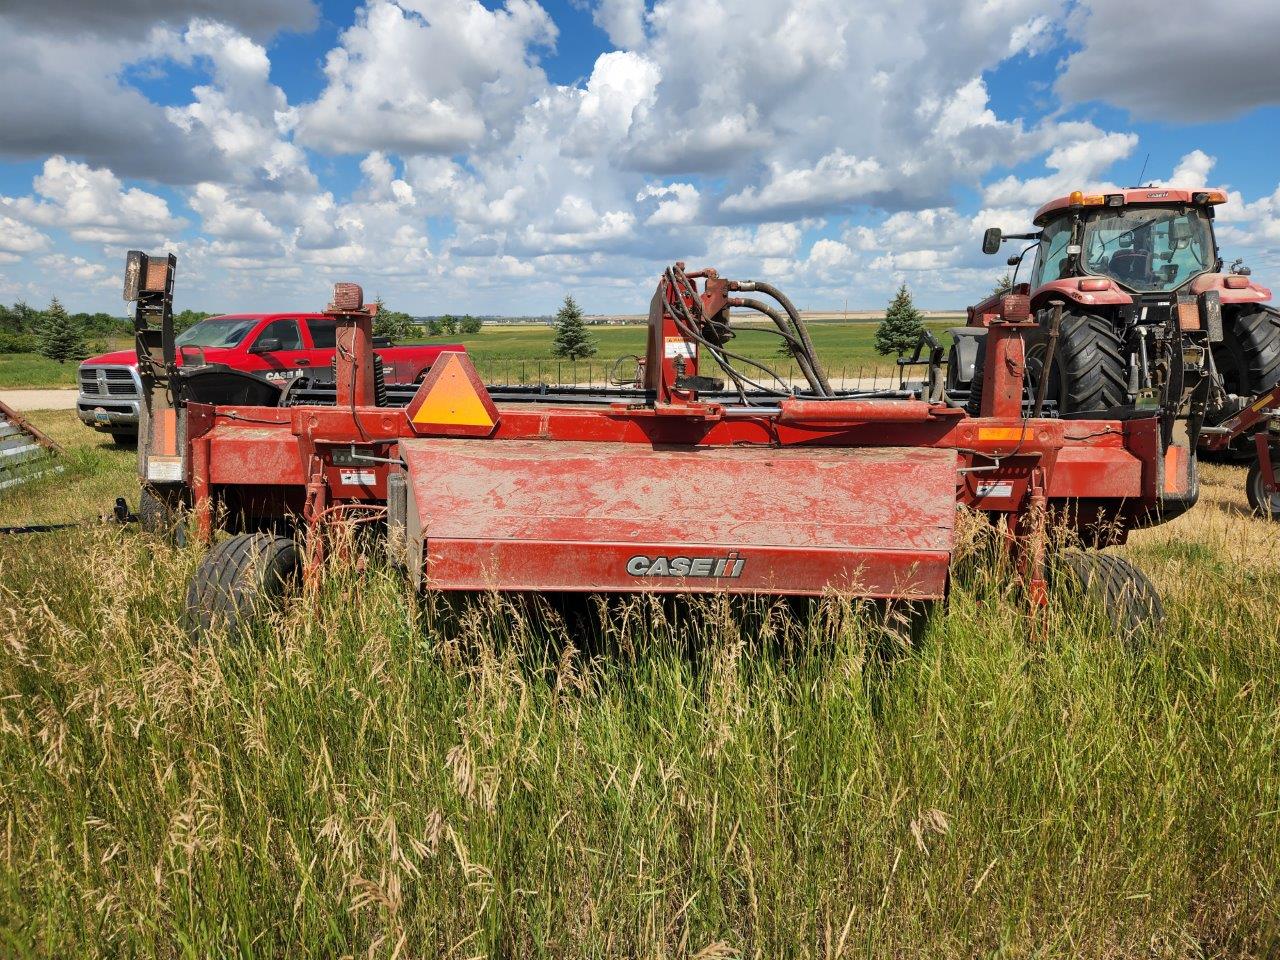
{"type": "Point", "coordinates": [991, 240]}
{"type": "Point", "coordinates": [265, 345]}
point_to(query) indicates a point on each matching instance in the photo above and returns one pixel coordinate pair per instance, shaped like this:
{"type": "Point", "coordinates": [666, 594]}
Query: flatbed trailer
{"type": "Point", "coordinates": [678, 485]}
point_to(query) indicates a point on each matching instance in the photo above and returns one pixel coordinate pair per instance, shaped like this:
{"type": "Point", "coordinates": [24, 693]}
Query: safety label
{"type": "Point", "coordinates": [358, 478]}
{"type": "Point", "coordinates": [164, 469]}
{"type": "Point", "coordinates": [680, 347]}
{"type": "Point", "coordinates": [995, 489]}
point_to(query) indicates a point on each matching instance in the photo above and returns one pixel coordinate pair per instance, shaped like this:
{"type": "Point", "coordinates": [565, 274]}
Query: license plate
{"type": "Point", "coordinates": [101, 416]}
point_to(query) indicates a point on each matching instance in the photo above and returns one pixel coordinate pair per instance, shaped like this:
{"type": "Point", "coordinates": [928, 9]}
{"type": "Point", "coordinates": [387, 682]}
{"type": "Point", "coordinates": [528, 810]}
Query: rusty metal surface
{"type": "Point", "coordinates": [516, 515]}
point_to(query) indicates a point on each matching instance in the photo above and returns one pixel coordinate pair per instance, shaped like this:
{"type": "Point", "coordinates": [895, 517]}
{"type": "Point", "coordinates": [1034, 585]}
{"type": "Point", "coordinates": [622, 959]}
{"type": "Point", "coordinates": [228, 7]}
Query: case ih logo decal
{"type": "Point", "coordinates": [728, 566]}
{"type": "Point", "coordinates": [1158, 196]}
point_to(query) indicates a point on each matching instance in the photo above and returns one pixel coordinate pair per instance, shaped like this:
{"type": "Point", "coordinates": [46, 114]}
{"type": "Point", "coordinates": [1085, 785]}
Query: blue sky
{"type": "Point", "coordinates": [459, 155]}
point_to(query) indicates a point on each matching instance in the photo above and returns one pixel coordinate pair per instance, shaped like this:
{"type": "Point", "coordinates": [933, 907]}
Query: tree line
{"type": "Point", "coordinates": [400, 326]}
{"type": "Point", "coordinates": [62, 336]}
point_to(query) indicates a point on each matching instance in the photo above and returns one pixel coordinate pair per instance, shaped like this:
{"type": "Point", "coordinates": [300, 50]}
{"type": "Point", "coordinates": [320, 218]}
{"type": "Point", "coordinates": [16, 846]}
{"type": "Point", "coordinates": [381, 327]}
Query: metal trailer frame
{"type": "Point", "coordinates": [677, 487]}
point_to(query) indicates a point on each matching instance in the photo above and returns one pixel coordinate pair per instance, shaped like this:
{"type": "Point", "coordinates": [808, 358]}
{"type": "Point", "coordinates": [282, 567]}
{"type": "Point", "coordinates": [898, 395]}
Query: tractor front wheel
{"type": "Point", "coordinates": [1089, 370]}
{"type": "Point", "coordinates": [1265, 505]}
{"type": "Point", "coordinates": [1118, 588]}
{"type": "Point", "coordinates": [240, 579]}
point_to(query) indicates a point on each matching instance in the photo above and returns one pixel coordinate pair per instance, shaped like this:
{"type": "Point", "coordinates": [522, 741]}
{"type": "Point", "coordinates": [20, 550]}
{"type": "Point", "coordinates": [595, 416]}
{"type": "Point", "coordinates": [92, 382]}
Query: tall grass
{"type": "Point", "coordinates": [374, 774]}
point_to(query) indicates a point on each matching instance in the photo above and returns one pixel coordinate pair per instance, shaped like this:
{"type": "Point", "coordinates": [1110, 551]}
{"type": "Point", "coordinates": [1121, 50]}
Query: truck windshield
{"type": "Point", "coordinates": [1148, 248]}
{"type": "Point", "coordinates": [216, 332]}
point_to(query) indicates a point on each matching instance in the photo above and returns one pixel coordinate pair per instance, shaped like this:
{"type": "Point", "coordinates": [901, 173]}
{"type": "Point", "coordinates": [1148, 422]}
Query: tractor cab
{"type": "Point", "coordinates": [1136, 243]}
{"type": "Point", "coordinates": [1131, 310]}
{"type": "Point", "coordinates": [1142, 249]}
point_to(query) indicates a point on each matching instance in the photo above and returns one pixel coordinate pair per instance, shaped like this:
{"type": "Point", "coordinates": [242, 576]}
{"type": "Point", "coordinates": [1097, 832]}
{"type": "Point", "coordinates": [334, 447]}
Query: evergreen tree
{"type": "Point", "coordinates": [60, 337]}
{"type": "Point", "coordinates": [901, 327]}
{"type": "Point", "coordinates": [1003, 285]}
{"type": "Point", "coordinates": [571, 341]}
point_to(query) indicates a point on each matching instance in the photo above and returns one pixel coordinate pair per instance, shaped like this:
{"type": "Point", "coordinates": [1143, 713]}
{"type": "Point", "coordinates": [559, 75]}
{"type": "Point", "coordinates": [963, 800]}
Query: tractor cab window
{"type": "Point", "coordinates": [1051, 255]}
{"type": "Point", "coordinates": [1148, 248]}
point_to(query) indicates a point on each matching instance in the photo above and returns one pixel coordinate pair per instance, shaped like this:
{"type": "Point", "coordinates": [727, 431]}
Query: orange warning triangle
{"type": "Point", "coordinates": [452, 400]}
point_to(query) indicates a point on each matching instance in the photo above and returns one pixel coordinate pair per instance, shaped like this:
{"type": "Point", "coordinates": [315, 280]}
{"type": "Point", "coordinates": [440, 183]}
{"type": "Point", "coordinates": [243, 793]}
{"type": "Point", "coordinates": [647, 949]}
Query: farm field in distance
{"type": "Point", "coordinates": [505, 352]}
{"type": "Point", "coordinates": [375, 774]}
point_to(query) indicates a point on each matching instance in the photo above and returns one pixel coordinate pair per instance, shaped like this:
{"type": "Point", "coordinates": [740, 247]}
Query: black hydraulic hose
{"type": "Point", "coordinates": [801, 329]}
{"type": "Point", "coordinates": [802, 361]}
{"type": "Point", "coordinates": [687, 326]}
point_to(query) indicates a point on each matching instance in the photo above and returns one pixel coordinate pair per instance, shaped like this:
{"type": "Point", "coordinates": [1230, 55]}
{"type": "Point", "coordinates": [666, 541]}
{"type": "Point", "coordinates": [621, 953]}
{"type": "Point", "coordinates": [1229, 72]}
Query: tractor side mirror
{"type": "Point", "coordinates": [991, 240]}
{"type": "Point", "coordinates": [265, 345]}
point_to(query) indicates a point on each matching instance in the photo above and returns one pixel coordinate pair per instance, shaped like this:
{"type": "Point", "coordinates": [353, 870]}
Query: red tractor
{"type": "Point", "coordinates": [1146, 315]}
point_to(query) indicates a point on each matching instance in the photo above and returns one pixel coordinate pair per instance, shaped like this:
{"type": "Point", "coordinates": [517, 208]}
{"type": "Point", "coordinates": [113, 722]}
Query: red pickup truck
{"type": "Point", "coordinates": [278, 346]}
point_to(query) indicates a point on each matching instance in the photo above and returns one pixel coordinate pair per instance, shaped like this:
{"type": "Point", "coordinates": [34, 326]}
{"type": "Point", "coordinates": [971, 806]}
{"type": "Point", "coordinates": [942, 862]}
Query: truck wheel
{"type": "Point", "coordinates": [240, 578]}
{"type": "Point", "coordinates": [1264, 504]}
{"type": "Point", "coordinates": [1249, 356]}
{"type": "Point", "coordinates": [163, 513]}
{"type": "Point", "coordinates": [1089, 368]}
{"type": "Point", "coordinates": [1130, 600]}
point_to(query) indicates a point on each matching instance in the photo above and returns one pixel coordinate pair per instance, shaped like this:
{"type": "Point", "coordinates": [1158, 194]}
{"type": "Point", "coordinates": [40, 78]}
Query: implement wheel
{"type": "Point", "coordinates": [163, 513]}
{"type": "Point", "coordinates": [1265, 505]}
{"type": "Point", "coordinates": [239, 579]}
{"type": "Point", "coordinates": [1130, 601]}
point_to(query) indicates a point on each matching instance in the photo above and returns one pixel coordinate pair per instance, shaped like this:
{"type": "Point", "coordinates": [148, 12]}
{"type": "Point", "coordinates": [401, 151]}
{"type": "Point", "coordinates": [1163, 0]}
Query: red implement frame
{"type": "Point", "coordinates": [674, 492]}
{"type": "Point", "coordinates": [1261, 418]}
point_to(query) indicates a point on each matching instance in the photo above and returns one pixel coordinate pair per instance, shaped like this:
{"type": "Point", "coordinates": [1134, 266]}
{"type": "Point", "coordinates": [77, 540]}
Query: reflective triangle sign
{"type": "Point", "coordinates": [452, 401]}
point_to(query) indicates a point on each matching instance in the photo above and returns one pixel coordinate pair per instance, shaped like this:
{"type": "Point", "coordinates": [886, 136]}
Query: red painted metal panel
{"type": "Point", "coordinates": [1093, 472]}
{"type": "Point", "coordinates": [254, 455]}
{"type": "Point", "coordinates": [524, 515]}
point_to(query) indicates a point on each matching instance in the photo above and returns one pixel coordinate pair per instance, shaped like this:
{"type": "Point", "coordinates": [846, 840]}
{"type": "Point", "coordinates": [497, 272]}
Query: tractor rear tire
{"type": "Point", "coordinates": [1122, 591]}
{"type": "Point", "coordinates": [1249, 356]}
{"type": "Point", "coordinates": [1266, 506]}
{"type": "Point", "coordinates": [238, 580]}
{"type": "Point", "coordinates": [1089, 367]}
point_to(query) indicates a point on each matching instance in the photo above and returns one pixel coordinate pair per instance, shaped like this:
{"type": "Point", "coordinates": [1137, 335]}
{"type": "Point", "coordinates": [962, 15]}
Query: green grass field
{"type": "Point", "coordinates": [523, 352]}
{"type": "Point", "coordinates": [22, 370]}
{"type": "Point", "coordinates": [376, 775]}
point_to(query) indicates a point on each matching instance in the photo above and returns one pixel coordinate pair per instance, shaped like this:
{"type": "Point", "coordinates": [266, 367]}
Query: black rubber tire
{"type": "Point", "coordinates": [1089, 367]}
{"type": "Point", "coordinates": [1090, 371]}
{"type": "Point", "coordinates": [239, 579]}
{"type": "Point", "coordinates": [162, 513]}
{"type": "Point", "coordinates": [1266, 507]}
{"type": "Point", "coordinates": [1248, 358]}
{"type": "Point", "coordinates": [1122, 591]}
{"type": "Point", "coordinates": [953, 370]}
{"type": "Point", "coordinates": [973, 406]}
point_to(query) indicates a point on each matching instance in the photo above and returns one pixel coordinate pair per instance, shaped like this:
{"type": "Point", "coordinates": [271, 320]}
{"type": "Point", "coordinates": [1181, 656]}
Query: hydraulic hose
{"type": "Point", "coordinates": [802, 331]}
{"type": "Point", "coordinates": [802, 360]}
